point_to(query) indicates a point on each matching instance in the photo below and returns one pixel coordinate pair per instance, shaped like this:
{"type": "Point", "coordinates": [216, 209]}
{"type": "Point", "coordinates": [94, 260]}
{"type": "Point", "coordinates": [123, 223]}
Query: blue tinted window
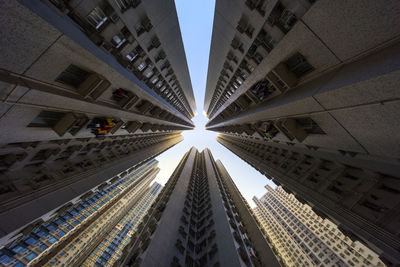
{"type": "Point", "coordinates": [31, 241]}
{"type": "Point", "coordinates": [51, 227]}
{"type": "Point", "coordinates": [69, 227]}
{"type": "Point", "coordinates": [18, 264]}
{"type": "Point", "coordinates": [73, 212]}
{"type": "Point", "coordinates": [61, 233]}
{"type": "Point", "coordinates": [66, 215]}
{"type": "Point", "coordinates": [19, 249]}
{"type": "Point", "coordinates": [59, 222]}
{"type": "Point", "coordinates": [53, 240]}
{"type": "Point", "coordinates": [42, 233]}
{"type": "Point", "coordinates": [31, 256]}
{"type": "Point", "coordinates": [42, 247]}
{"type": "Point", "coordinates": [5, 259]}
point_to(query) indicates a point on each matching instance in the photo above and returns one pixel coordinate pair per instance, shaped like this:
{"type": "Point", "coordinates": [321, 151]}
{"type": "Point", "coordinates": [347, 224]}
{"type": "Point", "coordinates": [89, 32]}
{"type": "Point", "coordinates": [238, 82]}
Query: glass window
{"type": "Point", "coordinates": [4, 259]}
{"type": "Point", "coordinates": [31, 241]}
{"type": "Point", "coordinates": [61, 233]}
{"type": "Point", "coordinates": [19, 249]}
{"type": "Point", "coordinates": [46, 118]}
{"type": "Point", "coordinates": [18, 264]}
{"type": "Point", "coordinates": [53, 240]}
{"type": "Point", "coordinates": [96, 17]}
{"type": "Point", "coordinates": [42, 247]}
{"type": "Point", "coordinates": [51, 227]}
{"type": "Point", "coordinates": [72, 76]}
{"type": "Point", "coordinates": [59, 221]}
{"type": "Point", "coordinates": [31, 256]}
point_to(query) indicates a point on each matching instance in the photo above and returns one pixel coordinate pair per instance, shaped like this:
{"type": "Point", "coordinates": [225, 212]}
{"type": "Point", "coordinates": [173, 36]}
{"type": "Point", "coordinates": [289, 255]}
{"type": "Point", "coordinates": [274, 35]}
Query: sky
{"type": "Point", "coordinates": [196, 21]}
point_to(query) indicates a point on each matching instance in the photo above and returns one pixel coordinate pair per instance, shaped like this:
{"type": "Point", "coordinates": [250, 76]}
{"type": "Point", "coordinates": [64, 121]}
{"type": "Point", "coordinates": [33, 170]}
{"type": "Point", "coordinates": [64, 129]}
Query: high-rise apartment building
{"type": "Point", "coordinates": [110, 249]}
{"type": "Point", "coordinates": [302, 238]}
{"type": "Point", "coordinates": [101, 221]}
{"type": "Point", "coordinates": [306, 91]}
{"type": "Point", "coordinates": [53, 173]}
{"type": "Point", "coordinates": [363, 203]}
{"type": "Point", "coordinates": [199, 219]}
{"type": "Point", "coordinates": [88, 89]}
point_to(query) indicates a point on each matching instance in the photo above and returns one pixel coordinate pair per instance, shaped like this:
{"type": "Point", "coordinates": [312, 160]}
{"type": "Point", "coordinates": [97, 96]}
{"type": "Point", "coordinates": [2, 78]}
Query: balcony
{"type": "Point", "coordinates": [124, 98]}
{"type": "Point", "coordinates": [93, 87]}
{"type": "Point", "coordinates": [70, 122]}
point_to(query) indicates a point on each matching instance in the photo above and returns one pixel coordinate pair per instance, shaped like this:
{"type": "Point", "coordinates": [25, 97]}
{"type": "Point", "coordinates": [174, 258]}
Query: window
{"type": "Point", "coordinates": [309, 126]}
{"type": "Point", "coordinates": [53, 240]}
{"type": "Point", "coordinates": [283, 18]}
{"type": "Point", "coordinates": [46, 119]}
{"type": "Point", "coordinates": [42, 247]}
{"type": "Point", "coordinates": [299, 65]}
{"type": "Point", "coordinates": [96, 17]}
{"type": "Point", "coordinates": [31, 241]}
{"type": "Point", "coordinates": [122, 4]}
{"type": "Point", "coordinates": [61, 233]}
{"type": "Point", "coordinates": [118, 40]}
{"type": "Point", "coordinates": [142, 66]}
{"type": "Point", "coordinates": [31, 256]}
{"type": "Point", "coordinates": [18, 264]}
{"type": "Point", "coordinates": [72, 76]}
{"type": "Point", "coordinates": [245, 27]}
{"type": "Point", "coordinates": [266, 40]}
{"type": "Point", "coordinates": [336, 190]}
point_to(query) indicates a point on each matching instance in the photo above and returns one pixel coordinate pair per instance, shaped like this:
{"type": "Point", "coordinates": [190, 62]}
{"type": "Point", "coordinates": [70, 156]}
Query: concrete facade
{"type": "Point", "coordinates": [302, 238]}
{"type": "Point", "coordinates": [77, 104]}
{"type": "Point", "coordinates": [194, 222]}
{"type": "Point", "coordinates": [306, 92]}
{"type": "Point", "coordinates": [363, 202]}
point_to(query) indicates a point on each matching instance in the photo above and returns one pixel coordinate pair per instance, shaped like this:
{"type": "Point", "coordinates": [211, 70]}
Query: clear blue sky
{"type": "Point", "coordinates": [196, 20]}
